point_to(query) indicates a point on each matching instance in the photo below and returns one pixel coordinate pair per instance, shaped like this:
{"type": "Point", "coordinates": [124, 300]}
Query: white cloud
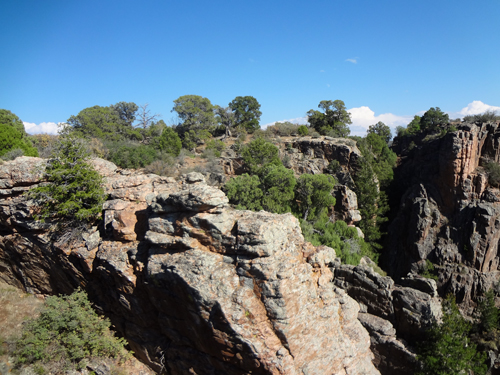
{"type": "Point", "coordinates": [474, 108]}
{"type": "Point", "coordinates": [44, 127]}
{"type": "Point", "coordinates": [354, 61]}
{"type": "Point", "coordinates": [362, 118]}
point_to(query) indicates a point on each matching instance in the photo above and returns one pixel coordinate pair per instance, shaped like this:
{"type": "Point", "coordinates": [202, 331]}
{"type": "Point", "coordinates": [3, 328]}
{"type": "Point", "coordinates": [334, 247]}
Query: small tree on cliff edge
{"type": "Point", "coordinates": [74, 190]}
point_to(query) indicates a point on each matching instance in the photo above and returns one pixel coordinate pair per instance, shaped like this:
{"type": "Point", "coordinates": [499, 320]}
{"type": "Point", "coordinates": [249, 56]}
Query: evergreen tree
{"type": "Point", "coordinates": [448, 349]}
{"type": "Point", "coordinates": [313, 194]}
{"type": "Point", "coordinates": [277, 184]}
{"type": "Point", "coordinates": [245, 192]}
{"type": "Point", "coordinates": [488, 313]}
{"type": "Point", "coordinates": [169, 142]}
{"type": "Point", "coordinates": [12, 139]}
{"type": "Point", "coordinates": [74, 191]}
{"type": "Point", "coordinates": [260, 153]}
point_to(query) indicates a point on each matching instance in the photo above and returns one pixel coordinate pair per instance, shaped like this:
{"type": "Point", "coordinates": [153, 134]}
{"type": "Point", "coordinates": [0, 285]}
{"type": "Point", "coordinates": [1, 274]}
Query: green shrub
{"type": "Point", "coordinates": [68, 332]}
{"type": "Point", "coordinates": [448, 348]}
{"type": "Point", "coordinates": [313, 194]}
{"type": "Point", "coordinates": [428, 270]}
{"type": "Point", "coordinates": [12, 154]}
{"type": "Point", "coordinates": [488, 312]}
{"type": "Point", "coordinates": [216, 145]}
{"type": "Point", "coordinates": [132, 155]}
{"type": "Point", "coordinates": [244, 191]}
{"type": "Point", "coordinates": [303, 130]}
{"type": "Point", "coordinates": [169, 142]}
{"type": "Point", "coordinates": [11, 139]}
{"type": "Point", "coordinates": [493, 170]}
{"type": "Point", "coordinates": [334, 167]}
{"type": "Point", "coordinates": [74, 190]}
{"type": "Point", "coordinates": [259, 153]}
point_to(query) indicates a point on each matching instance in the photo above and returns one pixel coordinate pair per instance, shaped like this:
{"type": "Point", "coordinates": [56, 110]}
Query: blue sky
{"type": "Point", "coordinates": [386, 60]}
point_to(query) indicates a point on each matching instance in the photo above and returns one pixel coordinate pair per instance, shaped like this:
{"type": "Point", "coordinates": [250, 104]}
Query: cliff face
{"type": "Point", "coordinates": [194, 285]}
{"type": "Point", "coordinates": [448, 212]}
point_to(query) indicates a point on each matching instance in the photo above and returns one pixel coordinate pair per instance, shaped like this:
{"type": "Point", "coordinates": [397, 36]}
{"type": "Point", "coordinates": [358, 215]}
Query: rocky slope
{"type": "Point", "coordinates": [448, 212]}
{"type": "Point", "coordinates": [194, 285]}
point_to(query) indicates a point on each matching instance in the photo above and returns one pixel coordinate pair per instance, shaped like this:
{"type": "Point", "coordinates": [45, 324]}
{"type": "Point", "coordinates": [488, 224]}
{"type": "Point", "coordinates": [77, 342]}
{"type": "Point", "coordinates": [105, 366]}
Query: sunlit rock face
{"type": "Point", "coordinates": [195, 286]}
{"type": "Point", "coordinates": [448, 211]}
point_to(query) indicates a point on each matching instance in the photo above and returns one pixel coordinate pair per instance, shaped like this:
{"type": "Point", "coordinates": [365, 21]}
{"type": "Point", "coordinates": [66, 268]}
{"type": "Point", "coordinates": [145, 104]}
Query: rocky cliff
{"type": "Point", "coordinates": [195, 286]}
{"type": "Point", "coordinates": [447, 211]}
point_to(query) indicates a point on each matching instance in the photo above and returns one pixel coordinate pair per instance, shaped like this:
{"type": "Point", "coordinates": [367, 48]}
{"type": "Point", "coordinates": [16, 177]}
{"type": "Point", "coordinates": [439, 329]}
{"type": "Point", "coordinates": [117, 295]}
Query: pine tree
{"type": "Point", "coordinates": [448, 349]}
{"type": "Point", "coordinates": [74, 191]}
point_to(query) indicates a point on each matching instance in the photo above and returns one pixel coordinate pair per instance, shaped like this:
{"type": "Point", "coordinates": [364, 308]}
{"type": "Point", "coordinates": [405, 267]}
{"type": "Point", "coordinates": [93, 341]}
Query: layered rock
{"type": "Point", "coordinates": [391, 313]}
{"type": "Point", "coordinates": [448, 212]}
{"type": "Point", "coordinates": [194, 285]}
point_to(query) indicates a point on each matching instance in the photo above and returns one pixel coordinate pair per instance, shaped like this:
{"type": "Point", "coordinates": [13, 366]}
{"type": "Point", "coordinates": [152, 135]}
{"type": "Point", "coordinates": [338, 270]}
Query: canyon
{"type": "Point", "coordinates": [198, 287]}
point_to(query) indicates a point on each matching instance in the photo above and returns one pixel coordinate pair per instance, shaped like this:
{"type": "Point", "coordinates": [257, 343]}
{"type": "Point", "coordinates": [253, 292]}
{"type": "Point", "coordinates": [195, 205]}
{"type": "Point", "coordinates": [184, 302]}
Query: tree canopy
{"type": "Point", "coordinates": [74, 191]}
{"type": "Point", "coordinates": [259, 153]}
{"type": "Point", "coordinates": [381, 130]}
{"type": "Point", "coordinates": [433, 118]}
{"type": "Point", "coordinates": [196, 113]}
{"type": "Point", "coordinates": [10, 119]}
{"type": "Point", "coordinates": [12, 139]}
{"type": "Point", "coordinates": [169, 142]}
{"type": "Point", "coordinates": [13, 136]}
{"type": "Point", "coordinates": [112, 123]}
{"type": "Point", "coordinates": [313, 193]}
{"type": "Point", "coordinates": [448, 348]}
{"type": "Point", "coordinates": [246, 112]}
{"type": "Point", "coordinates": [334, 119]}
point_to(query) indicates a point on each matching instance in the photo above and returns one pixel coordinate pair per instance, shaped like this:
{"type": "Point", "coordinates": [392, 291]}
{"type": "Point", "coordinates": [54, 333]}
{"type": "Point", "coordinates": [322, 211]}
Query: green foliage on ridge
{"type": "Point", "coordinates": [247, 112]}
{"type": "Point", "coordinates": [74, 190]}
{"type": "Point", "coordinates": [334, 119]}
{"type": "Point", "coordinates": [13, 138]}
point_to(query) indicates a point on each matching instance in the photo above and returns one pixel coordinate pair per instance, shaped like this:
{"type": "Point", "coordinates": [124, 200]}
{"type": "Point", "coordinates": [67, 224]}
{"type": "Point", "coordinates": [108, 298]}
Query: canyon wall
{"type": "Point", "coordinates": [195, 286]}
{"type": "Point", "coordinates": [447, 212]}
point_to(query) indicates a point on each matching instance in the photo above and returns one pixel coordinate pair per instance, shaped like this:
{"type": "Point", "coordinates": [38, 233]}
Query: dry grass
{"type": "Point", "coordinates": [16, 306]}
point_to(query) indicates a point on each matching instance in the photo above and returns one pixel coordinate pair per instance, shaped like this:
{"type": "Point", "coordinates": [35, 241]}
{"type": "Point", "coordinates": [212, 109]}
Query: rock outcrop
{"type": "Point", "coordinates": [391, 313]}
{"type": "Point", "coordinates": [194, 285]}
{"type": "Point", "coordinates": [448, 212]}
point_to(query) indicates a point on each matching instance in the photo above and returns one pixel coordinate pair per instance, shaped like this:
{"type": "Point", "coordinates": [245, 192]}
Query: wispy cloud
{"type": "Point", "coordinates": [354, 61]}
{"type": "Point", "coordinates": [321, 71]}
{"type": "Point", "coordinates": [44, 127]}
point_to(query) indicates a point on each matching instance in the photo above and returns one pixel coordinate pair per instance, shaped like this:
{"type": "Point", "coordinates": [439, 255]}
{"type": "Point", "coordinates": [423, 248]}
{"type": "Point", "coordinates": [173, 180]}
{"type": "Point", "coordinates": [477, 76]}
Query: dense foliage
{"type": "Point", "coordinates": [259, 153]}
{"type": "Point", "coordinates": [272, 187]}
{"type": "Point", "coordinates": [448, 348]}
{"type": "Point", "coordinates": [313, 194]}
{"type": "Point", "coordinates": [129, 155]}
{"type": "Point", "coordinates": [68, 332]}
{"type": "Point", "coordinates": [10, 119]}
{"type": "Point", "coordinates": [372, 180]}
{"type": "Point", "coordinates": [13, 139]}
{"type": "Point", "coordinates": [334, 119]}
{"type": "Point", "coordinates": [113, 123]}
{"type": "Point", "coordinates": [74, 190]}
{"type": "Point", "coordinates": [247, 112]}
